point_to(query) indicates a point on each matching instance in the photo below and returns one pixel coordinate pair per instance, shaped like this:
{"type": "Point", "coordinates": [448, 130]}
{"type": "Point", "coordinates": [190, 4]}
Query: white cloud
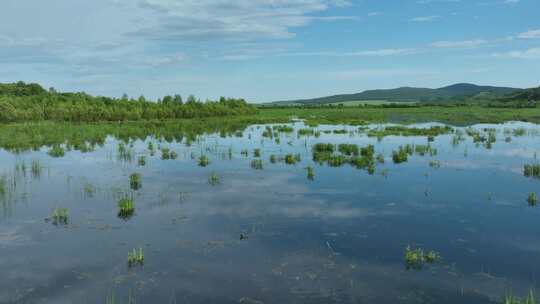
{"type": "Point", "coordinates": [533, 53]}
{"type": "Point", "coordinates": [459, 44]}
{"type": "Point", "coordinates": [238, 20]}
{"type": "Point", "coordinates": [532, 34]}
{"type": "Point", "coordinates": [426, 18]}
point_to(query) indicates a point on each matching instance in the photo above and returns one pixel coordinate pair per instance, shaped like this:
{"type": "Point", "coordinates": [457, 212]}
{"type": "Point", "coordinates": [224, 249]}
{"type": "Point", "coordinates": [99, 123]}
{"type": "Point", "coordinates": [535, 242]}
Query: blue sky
{"type": "Point", "coordinates": [265, 50]}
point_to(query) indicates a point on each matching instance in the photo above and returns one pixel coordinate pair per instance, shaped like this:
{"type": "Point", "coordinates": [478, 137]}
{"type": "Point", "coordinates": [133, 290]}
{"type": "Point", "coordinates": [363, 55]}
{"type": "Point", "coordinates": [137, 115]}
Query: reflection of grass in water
{"type": "Point", "coordinates": [135, 181]}
{"type": "Point", "coordinates": [36, 168]}
{"type": "Point", "coordinates": [257, 153]}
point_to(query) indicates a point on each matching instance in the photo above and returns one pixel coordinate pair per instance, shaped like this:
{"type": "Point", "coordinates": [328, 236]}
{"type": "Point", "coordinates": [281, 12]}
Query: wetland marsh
{"type": "Point", "coordinates": [269, 213]}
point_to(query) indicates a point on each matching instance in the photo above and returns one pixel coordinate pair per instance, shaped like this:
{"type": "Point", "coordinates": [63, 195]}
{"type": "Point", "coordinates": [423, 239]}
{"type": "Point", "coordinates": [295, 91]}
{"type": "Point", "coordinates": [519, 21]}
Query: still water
{"type": "Point", "coordinates": [273, 235]}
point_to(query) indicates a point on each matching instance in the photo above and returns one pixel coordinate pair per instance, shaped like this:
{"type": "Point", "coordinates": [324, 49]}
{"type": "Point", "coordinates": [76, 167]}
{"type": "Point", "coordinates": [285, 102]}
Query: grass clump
{"type": "Point", "coordinates": [60, 216]}
{"type": "Point", "coordinates": [214, 179]}
{"type": "Point", "coordinates": [531, 170]}
{"type": "Point", "coordinates": [204, 161]}
{"type": "Point", "coordinates": [306, 132]}
{"type": "Point", "coordinates": [532, 199]}
{"type": "Point", "coordinates": [57, 151]}
{"type": "Point", "coordinates": [136, 257]}
{"type": "Point", "coordinates": [530, 299]}
{"type": "Point", "coordinates": [141, 161]}
{"type": "Point", "coordinates": [321, 147]}
{"type": "Point", "coordinates": [349, 149]}
{"type": "Point", "coordinates": [257, 152]}
{"type": "Point", "coordinates": [416, 258]}
{"type": "Point", "coordinates": [310, 173]}
{"type": "Point", "coordinates": [126, 208]}
{"type": "Point", "coordinates": [283, 129]}
{"type": "Point", "coordinates": [135, 181]}
{"type": "Point", "coordinates": [292, 159]}
{"type": "Point", "coordinates": [257, 164]}
{"type": "Point", "coordinates": [402, 154]}
{"type": "Point", "coordinates": [165, 153]}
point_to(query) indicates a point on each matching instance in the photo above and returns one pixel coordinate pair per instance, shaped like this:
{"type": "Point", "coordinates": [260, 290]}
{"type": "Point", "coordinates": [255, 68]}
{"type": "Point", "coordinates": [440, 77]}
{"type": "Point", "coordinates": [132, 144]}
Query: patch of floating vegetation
{"type": "Point", "coordinates": [204, 161]}
{"type": "Point", "coordinates": [283, 129]}
{"type": "Point", "coordinates": [306, 132]}
{"type": "Point", "coordinates": [431, 132]}
{"type": "Point", "coordinates": [416, 258]}
{"type": "Point", "coordinates": [531, 170]}
{"type": "Point", "coordinates": [532, 199]}
{"type": "Point", "coordinates": [57, 151]}
{"type": "Point", "coordinates": [135, 181]}
{"type": "Point", "coordinates": [126, 208]}
{"type": "Point", "coordinates": [60, 216]}
{"type": "Point", "coordinates": [402, 154]}
{"type": "Point", "coordinates": [257, 164]}
{"type": "Point", "coordinates": [214, 179]}
{"type": "Point", "coordinates": [292, 159]}
{"type": "Point", "coordinates": [530, 299]}
{"type": "Point", "coordinates": [136, 257]}
{"type": "Point", "coordinates": [435, 164]}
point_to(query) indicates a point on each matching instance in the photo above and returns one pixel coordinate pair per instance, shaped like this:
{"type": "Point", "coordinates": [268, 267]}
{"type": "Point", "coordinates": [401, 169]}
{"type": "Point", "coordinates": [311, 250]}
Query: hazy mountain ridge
{"type": "Point", "coordinates": [403, 94]}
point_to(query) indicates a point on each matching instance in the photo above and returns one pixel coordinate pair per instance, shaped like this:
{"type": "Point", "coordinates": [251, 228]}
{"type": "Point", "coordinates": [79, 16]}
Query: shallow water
{"type": "Point", "coordinates": [339, 238]}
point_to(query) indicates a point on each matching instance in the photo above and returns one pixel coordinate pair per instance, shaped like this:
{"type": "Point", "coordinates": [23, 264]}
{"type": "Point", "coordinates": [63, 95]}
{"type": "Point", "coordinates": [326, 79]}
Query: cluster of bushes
{"type": "Point", "coordinates": [30, 102]}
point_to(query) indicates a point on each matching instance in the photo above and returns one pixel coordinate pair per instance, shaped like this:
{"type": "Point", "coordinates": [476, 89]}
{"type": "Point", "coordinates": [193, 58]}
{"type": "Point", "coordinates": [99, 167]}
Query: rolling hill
{"type": "Point", "coordinates": [408, 94]}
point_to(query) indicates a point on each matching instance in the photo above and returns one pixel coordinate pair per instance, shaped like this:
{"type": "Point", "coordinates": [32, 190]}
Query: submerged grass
{"type": "Point", "coordinates": [530, 299]}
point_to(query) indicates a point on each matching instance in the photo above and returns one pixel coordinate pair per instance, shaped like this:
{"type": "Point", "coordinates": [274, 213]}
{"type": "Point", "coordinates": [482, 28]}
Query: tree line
{"type": "Point", "coordinates": [31, 102]}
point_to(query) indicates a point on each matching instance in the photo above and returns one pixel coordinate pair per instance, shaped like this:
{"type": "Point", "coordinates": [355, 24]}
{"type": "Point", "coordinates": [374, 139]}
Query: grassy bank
{"type": "Point", "coordinates": [465, 115]}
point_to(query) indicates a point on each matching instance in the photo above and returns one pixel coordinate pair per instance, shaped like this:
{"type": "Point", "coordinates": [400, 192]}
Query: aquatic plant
{"type": "Point", "coordinates": [321, 147]}
{"type": "Point", "coordinates": [257, 152]}
{"type": "Point", "coordinates": [435, 164]}
{"type": "Point", "coordinates": [349, 149]}
{"type": "Point", "coordinates": [310, 173]}
{"type": "Point", "coordinates": [380, 158]}
{"type": "Point", "coordinates": [431, 132]}
{"type": "Point", "coordinates": [257, 164]}
{"type": "Point", "coordinates": [60, 216]}
{"type": "Point", "coordinates": [214, 179]}
{"type": "Point", "coordinates": [273, 159]}
{"type": "Point", "coordinates": [173, 155]}
{"type": "Point", "coordinates": [56, 151]}
{"type": "Point", "coordinates": [531, 170]}
{"type": "Point", "coordinates": [292, 159]}
{"type": "Point", "coordinates": [141, 161]}
{"type": "Point", "coordinates": [368, 151]}
{"type": "Point", "coordinates": [416, 257]}
{"type": "Point", "coordinates": [532, 199]}
{"type": "Point", "coordinates": [136, 257]}
{"type": "Point", "coordinates": [402, 155]}
{"type": "Point", "coordinates": [284, 129]}
{"type": "Point", "coordinates": [126, 208]}
{"type": "Point", "coordinates": [530, 299]}
{"type": "Point", "coordinates": [244, 152]}
{"type": "Point", "coordinates": [306, 132]}
{"type": "Point", "coordinates": [135, 181]}
{"type": "Point", "coordinates": [341, 131]}
{"type": "Point", "coordinates": [204, 161]}
{"type": "Point", "coordinates": [337, 160]}
{"type": "Point", "coordinates": [165, 153]}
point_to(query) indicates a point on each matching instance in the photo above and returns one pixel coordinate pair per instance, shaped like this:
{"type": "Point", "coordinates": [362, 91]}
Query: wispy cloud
{"type": "Point", "coordinates": [532, 34]}
{"type": "Point", "coordinates": [426, 18]}
{"type": "Point", "coordinates": [459, 44]}
{"type": "Point", "coordinates": [533, 53]}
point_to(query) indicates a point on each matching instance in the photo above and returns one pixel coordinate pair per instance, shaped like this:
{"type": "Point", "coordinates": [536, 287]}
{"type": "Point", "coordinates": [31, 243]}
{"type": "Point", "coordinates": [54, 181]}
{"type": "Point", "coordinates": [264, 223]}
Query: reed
{"type": "Point", "coordinates": [135, 181]}
{"type": "Point", "coordinates": [136, 257]}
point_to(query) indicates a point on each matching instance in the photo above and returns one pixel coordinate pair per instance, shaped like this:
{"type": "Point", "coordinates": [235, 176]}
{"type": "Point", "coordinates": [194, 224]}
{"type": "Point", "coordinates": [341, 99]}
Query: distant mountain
{"type": "Point", "coordinates": [532, 94]}
{"type": "Point", "coordinates": [405, 94]}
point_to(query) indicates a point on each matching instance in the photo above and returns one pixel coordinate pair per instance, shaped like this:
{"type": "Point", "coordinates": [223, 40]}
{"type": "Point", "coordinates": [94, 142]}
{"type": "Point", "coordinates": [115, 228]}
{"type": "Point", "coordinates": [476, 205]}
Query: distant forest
{"type": "Point", "coordinates": [31, 102]}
